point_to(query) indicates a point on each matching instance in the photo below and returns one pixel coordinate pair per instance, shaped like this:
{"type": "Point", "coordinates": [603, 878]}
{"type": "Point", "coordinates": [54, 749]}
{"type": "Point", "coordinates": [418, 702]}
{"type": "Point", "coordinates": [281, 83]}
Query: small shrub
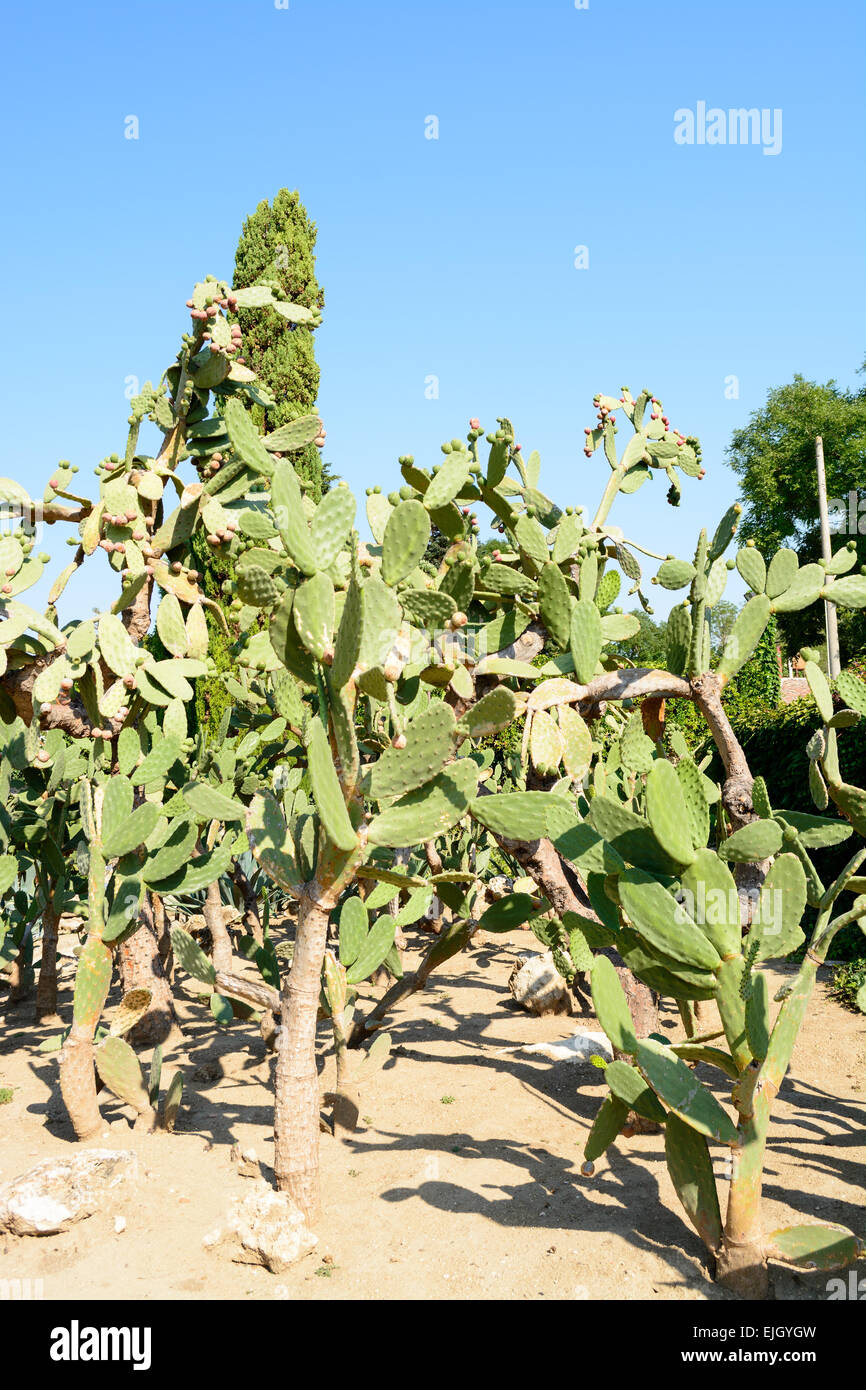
{"type": "Point", "coordinates": [849, 980]}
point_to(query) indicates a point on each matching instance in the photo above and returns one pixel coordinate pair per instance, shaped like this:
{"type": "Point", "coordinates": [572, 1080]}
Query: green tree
{"type": "Point", "coordinates": [721, 618]}
{"type": "Point", "coordinates": [276, 247]}
{"type": "Point", "coordinates": [647, 647]}
{"type": "Point", "coordinates": [774, 456]}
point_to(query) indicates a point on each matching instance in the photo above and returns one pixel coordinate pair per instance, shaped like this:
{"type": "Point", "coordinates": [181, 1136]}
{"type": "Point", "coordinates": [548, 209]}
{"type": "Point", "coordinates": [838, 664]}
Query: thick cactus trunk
{"type": "Point", "coordinates": [142, 967]}
{"type": "Point", "coordinates": [46, 988]}
{"type": "Point", "coordinates": [20, 977]}
{"type": "Point", "coordinates": [222, 943]}
{"type": "Point", "coordinates": [296, 1107]}
{"type": "Point", "coordinates": [78, 1081]}
{"type": "Point", "coordinates": [92, 980]}
{"type": "Point", "coordinates": [742, 1264]}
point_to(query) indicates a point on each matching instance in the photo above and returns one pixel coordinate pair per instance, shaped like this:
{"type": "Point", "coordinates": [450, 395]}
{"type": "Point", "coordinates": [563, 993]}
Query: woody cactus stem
{"type": "Point", "coordinates": [92, 980]}
{"type": "Point", "coordinates": [46, 989]}
{"type": "Point", "coordinates": [296, 1110]}
{"type": "Point", "coordinates": [142, 967]}
{"type": "Point", "coordinates": [741, 1263]}
{"type": "Point", "coordinates": [221, 948]}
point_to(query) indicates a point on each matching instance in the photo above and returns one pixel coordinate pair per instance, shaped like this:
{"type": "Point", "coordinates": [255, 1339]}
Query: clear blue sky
{"type": "Point", "coordinates": [449, 257]}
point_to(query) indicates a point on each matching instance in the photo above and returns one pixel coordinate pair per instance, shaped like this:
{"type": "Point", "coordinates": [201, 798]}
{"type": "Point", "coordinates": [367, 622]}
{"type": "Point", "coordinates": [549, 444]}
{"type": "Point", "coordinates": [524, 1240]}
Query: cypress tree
{"type": "Point", "coordinates": [276, 247]}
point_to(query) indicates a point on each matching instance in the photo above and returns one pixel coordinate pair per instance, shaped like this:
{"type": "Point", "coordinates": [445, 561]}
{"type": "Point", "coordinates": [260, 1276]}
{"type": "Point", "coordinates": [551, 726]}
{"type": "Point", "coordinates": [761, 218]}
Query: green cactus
{"type": "Point", "coordinates": [405, 540]}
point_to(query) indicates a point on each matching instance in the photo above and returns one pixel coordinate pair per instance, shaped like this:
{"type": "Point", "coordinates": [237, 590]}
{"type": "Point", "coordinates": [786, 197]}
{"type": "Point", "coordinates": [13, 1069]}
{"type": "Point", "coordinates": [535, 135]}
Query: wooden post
{"type": "Point", "coordinates": [834, 664]}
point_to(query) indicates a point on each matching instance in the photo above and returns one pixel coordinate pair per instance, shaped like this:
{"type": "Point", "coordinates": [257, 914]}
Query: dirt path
{"type": "Point", "coordinates": [463, 1179]}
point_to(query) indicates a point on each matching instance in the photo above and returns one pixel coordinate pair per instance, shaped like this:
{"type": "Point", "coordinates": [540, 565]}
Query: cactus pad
{"type": "Point", "coordinates": [750, 563]}
{"type": "Point", "coordinates": [611, 1006]}
{"type": "Point", "coordinates": [585, 639]}
{"type": "Point", "coordinates": [428, 811]}
{"type": "Point", "coordinates": [272, 843]}
{"type": "Point", "coordinates": [675, 1083]}
{"type": "Point", "coordinates": [663, 923]}
{"type": "Point", "coordinates": [758, 840]}
{"type": "Point", "coordinates": [120, 1070]}
{"type": "Point", "coordinates": [331, 524]}
{"type": "Point", "coordinates": [314, 614]}
{"type": "Point", "coordinates": [191, 956]}
{"type": "Point", "coordinates": [691, 1172]}
{"type": "Point", "coordinates": [92, 981]}
{"type": "Point", "coordinates": [405, 540]}
{"type": "Point", "coordinates": [554, 602]}
{"type": "Point", "coordinates": [429, 743]}
{"type": "Point", "coordinates": [374, 948]}
{"type": "Point", "coordinates": [814, 1247]}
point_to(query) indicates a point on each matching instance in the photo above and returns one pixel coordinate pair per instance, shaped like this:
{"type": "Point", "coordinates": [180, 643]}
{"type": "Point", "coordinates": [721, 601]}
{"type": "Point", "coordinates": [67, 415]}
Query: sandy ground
{"type": "Point", "coordinates": [463, 1178]}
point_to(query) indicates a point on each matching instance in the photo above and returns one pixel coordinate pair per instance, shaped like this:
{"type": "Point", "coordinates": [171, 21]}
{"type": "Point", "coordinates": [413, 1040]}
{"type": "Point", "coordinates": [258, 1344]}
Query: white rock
{"type": "Point", "coordinates": [270, 1229]}
{"type": "Point", "coordinates": [119, 1224]}
{"type": "Point", "coordinates": [578, 1048]}
{"type": "Point", "coordinates": [55, 1194]}
{"type": "Point", "coordinates": [538, 986]}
